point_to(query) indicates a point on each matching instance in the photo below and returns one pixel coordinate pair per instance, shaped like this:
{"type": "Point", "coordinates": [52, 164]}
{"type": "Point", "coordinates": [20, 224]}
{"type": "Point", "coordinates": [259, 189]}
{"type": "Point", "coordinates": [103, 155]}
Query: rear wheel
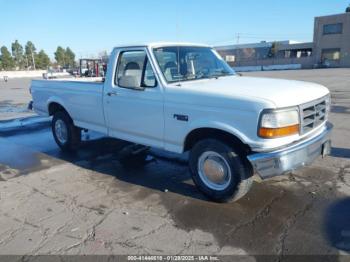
{"type": "Point", "coordinates": [65, 133]}
{"type": "Point", "coordinates": [219, 171]}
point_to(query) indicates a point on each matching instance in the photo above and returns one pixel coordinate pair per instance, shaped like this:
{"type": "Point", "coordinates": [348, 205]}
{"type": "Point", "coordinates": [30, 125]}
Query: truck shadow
{"type": "Point", "coordinates": [340, 152]}
{"type": "Point", "coordinates": [337, 224]}
{"type": "Point", "coordinates": [162, 173]}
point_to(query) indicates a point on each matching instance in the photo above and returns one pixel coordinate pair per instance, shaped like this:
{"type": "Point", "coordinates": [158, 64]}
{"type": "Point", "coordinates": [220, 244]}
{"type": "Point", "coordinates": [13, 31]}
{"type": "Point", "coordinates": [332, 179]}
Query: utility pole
{"type": "Point", "coordinates": [237, 38]}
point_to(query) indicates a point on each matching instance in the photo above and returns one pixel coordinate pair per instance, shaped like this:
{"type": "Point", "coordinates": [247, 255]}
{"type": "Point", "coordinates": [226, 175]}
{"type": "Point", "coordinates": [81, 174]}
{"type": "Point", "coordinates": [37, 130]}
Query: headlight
{"type": "Point", "coordinates": [279, 123]}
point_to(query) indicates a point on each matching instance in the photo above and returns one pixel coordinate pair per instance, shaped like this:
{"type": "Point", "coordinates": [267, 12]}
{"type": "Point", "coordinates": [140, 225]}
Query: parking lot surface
{"type": "Point", "coordinates": [87, 203]}
{"type": "Point", "coordinates": [14, 96]}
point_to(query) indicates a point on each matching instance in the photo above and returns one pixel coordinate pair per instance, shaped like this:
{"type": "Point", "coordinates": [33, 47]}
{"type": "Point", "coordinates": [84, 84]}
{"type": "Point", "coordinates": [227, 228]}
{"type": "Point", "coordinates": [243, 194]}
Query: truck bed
{"type": "Point", "coordinates": [81, 97]}
{"type": "Point", "coordinates": [78, 79]}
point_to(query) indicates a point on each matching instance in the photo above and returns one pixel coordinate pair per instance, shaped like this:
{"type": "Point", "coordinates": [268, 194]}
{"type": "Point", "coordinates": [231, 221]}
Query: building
{"type": "Point", "coordinates": [330, 48]}
{"type": "Point", "coordinates": [332, 40]}
{"type": "Point", "coordinates": [268, 54]}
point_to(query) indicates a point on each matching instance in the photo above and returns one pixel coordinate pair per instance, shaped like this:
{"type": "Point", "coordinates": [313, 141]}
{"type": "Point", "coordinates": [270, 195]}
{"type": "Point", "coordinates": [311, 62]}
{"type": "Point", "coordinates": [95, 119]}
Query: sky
{"type": "Point", "coordinates": [92, 26]}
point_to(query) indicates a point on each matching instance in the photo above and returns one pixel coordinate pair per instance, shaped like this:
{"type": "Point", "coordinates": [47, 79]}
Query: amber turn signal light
{"type": "Point", "coordinates": [278, 132]}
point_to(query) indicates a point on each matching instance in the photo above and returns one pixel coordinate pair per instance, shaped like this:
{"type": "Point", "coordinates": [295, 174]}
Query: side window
{"type": "Point", "coordinates": [149, 79]}
{"type": "Point", "coordinates": [168, 62]}
{"type": "Point", "coordinates": [134, 70]}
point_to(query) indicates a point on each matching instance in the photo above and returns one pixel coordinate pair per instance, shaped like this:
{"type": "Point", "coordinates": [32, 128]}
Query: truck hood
{"type": "Point", "coordinates": [282, 93]}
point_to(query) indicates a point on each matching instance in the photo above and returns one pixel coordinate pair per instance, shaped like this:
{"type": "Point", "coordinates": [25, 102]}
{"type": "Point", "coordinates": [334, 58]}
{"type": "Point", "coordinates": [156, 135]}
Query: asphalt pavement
{"type": "Point", "coordinates": [87, 203]}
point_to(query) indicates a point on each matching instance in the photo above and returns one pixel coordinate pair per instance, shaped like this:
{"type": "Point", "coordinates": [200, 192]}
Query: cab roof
{"type": "Point", "coordinates": [162, 44]}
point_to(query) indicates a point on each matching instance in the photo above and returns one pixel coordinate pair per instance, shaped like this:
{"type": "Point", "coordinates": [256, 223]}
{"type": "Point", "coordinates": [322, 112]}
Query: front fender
{"type": "Point", "coordinates": [217, 125]}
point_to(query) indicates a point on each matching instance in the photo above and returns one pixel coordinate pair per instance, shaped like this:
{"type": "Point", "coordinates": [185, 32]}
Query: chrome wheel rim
{"type": "Point", "coordinates": [61, 131]}
{"type": "Point", "coordinates": [214, 170]}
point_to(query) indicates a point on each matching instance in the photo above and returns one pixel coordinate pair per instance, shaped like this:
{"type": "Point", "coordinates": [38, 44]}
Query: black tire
{"type": "Point", "coordinates": [241, 173]}
{"type": "Point", "coordinates": [73, 133]}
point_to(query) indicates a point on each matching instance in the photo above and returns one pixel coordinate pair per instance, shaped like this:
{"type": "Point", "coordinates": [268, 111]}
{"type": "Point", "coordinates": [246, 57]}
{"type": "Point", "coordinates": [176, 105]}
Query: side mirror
{"type": "Point", "coordinates": [130, 81]}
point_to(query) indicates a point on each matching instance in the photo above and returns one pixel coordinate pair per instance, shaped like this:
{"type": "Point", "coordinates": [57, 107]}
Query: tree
{"type": "Point", "coordinates": [30, 52]}
{"type": "Point", "coordinates": [42, 60]}
{"type": "Point", "coordinates": [65, 57]}
{"type": "Point", "coordinates": [70, 58]}
{"type": "Point", "coordinates": [60, 56]}
{"type": "Point", "coordinates": [103, 55]}
{"type": "Point", "coordinates": [17, 54]}
{"type": "Point", "coordinates": [7, 62]}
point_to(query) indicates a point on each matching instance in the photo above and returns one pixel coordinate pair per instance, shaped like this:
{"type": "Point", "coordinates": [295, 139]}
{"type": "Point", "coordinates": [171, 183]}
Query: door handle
{"type": "Point", "coordinates": [112, 93]}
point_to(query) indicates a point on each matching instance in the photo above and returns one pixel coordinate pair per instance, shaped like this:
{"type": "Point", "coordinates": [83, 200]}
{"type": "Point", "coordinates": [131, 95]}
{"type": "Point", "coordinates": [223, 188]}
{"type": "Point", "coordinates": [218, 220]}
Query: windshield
{"type": "Point", "coordinates": [183, 63]}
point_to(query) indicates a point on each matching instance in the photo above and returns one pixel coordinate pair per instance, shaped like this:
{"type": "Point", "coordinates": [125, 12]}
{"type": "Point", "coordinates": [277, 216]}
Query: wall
{"type": "Point", "coordinates": [341, 41]}
{"type": "Point", "coordinates": [305, 62]}
{"type": "Point", "coordinates": [20, 74]}
{"type": "Point", "coordinates": [267, 68]}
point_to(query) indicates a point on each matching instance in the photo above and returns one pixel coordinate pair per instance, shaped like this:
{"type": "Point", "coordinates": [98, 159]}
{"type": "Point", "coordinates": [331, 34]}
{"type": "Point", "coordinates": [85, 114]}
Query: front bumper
{"type": "Point", "coordinates": [285, 160]}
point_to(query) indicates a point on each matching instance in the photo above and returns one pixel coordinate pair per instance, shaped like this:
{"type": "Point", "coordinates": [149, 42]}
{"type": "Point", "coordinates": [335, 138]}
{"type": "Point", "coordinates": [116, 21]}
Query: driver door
{"type": "Point", "coordinates": [134, 101]}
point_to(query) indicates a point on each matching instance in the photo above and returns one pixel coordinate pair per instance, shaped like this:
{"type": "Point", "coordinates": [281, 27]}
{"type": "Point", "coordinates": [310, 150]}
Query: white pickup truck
{"type": "Point", "coordinates": [184, 97]}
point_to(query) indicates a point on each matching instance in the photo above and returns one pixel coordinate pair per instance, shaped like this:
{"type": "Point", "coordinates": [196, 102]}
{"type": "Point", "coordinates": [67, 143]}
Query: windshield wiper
{"type": "Point", "coordinates": [201, 75]}
{"type": "Point", "coordinates": [220, 74]}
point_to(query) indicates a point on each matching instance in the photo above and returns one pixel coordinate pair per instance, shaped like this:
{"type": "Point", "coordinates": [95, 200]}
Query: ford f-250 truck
{"type": "Point", "coordinates": [185, 97]}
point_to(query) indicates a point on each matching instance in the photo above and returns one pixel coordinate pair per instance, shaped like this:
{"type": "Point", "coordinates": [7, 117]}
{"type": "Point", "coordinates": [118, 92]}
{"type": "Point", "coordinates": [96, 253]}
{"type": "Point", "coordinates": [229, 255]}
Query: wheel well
{"type": "Point", "coordinates": [55, 107]}
{"type": "Point", "coordinates": [203, 133]}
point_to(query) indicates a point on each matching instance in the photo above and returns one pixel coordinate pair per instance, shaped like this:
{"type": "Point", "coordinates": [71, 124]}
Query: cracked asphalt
{"type": "Point", "coordinates": [87, 203]}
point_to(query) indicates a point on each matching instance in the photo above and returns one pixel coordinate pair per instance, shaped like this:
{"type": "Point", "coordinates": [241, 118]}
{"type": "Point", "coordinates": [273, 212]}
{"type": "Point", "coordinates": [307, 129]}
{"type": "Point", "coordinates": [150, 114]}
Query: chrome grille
{"type": "Point", "coordinates": [314, 114]}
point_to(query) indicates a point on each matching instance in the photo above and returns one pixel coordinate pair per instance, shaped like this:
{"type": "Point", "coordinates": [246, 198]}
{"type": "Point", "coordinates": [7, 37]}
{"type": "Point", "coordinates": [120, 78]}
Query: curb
{"type": "Point", "coordinates": [23, 122]}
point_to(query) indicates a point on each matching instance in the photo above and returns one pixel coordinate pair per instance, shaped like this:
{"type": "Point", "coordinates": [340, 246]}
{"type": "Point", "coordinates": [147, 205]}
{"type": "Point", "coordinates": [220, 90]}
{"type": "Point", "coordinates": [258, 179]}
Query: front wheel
{"type": "Point", "coordinates": [66, 134]}
{"type": "Point", "coordinates": [219, 171]}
